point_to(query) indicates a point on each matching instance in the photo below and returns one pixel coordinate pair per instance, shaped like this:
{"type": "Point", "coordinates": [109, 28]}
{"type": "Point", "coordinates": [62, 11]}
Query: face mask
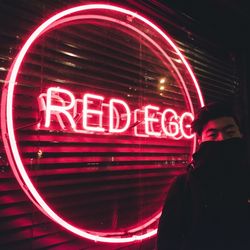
{"type": "Point", "coordinates": [222, 165]}
{"type": "Point", "coordinates": [221, 157]}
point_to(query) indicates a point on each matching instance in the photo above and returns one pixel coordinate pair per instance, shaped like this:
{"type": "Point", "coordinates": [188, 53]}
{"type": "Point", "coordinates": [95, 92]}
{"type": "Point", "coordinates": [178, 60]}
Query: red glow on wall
{"type": "Point", "coordinates": [60, 105]}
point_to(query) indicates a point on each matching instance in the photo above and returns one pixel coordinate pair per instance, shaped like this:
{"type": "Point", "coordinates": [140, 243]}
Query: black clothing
{"type": "Point", "coordinates": [207, 208]}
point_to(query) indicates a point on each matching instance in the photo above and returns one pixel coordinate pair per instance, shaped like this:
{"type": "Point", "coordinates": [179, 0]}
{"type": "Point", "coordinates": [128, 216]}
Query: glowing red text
{"type": "Point", "coordinates": [95, 114]}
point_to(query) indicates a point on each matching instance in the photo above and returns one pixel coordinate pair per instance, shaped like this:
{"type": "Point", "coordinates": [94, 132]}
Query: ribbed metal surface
{"type": "Point", "coordinates": [98, 181]}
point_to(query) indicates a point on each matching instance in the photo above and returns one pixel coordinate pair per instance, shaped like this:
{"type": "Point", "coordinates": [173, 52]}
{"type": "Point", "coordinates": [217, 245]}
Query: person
{"type": "Point", "coordinates": [207, 208]}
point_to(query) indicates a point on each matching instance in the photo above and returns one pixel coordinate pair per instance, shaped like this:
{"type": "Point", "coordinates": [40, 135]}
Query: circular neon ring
{"type": "Point", "coordinates": [8, 130]}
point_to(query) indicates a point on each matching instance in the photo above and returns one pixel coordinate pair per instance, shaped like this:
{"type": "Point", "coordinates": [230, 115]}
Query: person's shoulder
{"type": "Point", "coordinates": [181, 179]}
{"type": "Point", "coordinates": [179, 183]}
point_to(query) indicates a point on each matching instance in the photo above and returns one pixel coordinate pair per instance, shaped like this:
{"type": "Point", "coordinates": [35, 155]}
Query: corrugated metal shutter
{"type": "Point", "coordinates": [98, 182]}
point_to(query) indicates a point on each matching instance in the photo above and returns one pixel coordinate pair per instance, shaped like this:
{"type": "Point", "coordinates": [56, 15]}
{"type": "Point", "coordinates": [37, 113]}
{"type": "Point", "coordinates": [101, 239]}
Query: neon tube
{"type": "Point", "coordinates": [8, 134]}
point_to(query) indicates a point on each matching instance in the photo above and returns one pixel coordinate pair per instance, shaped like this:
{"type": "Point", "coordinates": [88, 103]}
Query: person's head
{"type": "Point", "coordinates": [216, 122]}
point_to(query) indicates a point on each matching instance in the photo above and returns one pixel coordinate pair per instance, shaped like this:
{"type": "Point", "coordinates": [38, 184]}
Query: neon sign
{"type": "Point", "coordinates": [62, 104]}
{"type": "Point", "coordinates": [98, 114]}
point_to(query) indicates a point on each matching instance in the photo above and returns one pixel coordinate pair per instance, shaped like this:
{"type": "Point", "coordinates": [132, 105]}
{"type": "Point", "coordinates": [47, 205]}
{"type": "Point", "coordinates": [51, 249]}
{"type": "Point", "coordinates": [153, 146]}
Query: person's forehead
{"type": "Point", "coordinates": [219, 123]}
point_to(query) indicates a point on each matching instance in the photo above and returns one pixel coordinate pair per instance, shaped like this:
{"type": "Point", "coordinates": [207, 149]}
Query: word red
{"type": "Point", "coordinates": [94, 114]}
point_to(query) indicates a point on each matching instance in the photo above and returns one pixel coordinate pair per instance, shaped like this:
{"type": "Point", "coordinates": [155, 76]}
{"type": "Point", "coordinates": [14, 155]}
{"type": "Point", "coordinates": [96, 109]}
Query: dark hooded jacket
{"type": "Point", "coordinates": [208, 208]}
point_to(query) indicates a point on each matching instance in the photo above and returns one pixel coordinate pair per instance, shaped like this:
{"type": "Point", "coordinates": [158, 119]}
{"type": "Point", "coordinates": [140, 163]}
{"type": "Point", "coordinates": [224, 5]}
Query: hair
{"type": "Point", "coordinates": [213, 111]}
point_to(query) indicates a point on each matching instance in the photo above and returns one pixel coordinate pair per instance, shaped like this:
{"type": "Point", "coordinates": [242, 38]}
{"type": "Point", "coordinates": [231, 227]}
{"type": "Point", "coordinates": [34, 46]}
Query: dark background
{"type": "Point", "coordinates": [227, 22]}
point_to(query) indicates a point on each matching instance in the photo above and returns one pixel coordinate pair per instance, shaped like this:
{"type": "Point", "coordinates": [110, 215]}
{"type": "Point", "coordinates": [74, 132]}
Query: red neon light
{"type": "Point", "coordinates": [51, 108]}
{"type": "Point", "coordinates": [111, 116]}
{"type": "Point", "coordinates": [158, 47]}
{"type": "Point", "coordinates": [8, 126]}
{"type": "Point", "coordinates": [150, 115]}
{"type": "Point", "coordinates": [171, 123]}
{"type": "Point", "coordinates": [139, 123]}
{"type": "Point", "coordinates": [182, 118]}
{"type": "Point", "coordinates": [89, 112]}
{"type": "Point", "coordinates": [149, 120]}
